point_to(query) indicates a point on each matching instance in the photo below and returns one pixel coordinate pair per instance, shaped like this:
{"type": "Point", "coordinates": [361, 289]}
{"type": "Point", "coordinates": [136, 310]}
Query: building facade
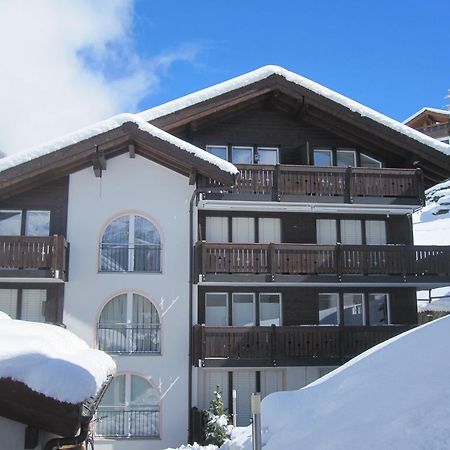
{"type": "Point", "coordinates": [253, 235]}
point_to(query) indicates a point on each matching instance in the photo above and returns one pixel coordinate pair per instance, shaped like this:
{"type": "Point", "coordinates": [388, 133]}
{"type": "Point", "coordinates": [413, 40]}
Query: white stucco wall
{"type": "Point", "coordinates": [12, 435]}
{"type": "Point", "coordinates": [141, 187]}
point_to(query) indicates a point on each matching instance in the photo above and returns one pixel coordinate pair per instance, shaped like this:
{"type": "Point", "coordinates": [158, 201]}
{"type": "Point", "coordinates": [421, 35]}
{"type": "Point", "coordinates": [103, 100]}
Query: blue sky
{"type": "Point", "coordinates": [78, 62]}
{"type": "Point", "coordinates": [390, 55]}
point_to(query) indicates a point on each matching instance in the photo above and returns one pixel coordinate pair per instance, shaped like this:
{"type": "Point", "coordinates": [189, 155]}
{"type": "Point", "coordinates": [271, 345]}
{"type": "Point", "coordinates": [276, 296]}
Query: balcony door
{"type": "Point", "coordinates": [243, 309]}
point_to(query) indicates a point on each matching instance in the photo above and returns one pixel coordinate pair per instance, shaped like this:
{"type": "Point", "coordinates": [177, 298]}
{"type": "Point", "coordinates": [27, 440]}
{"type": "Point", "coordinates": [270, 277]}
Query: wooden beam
{"type": "Point", "coordinates": [99, 162]}
{"type": "Point", "coordinates": [132, 150]}
{"type": "Point", "coordinates": [193, 177]}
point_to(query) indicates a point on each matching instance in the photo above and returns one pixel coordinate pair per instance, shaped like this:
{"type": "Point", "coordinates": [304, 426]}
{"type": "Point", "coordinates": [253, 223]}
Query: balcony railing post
{"type": "Point", "coordinates": [420, 188]}
{"type": "Point", "coordinates": [202, 340]}
{"type": "Point", "coordinates": [203, 260]}
{"type": "Point", "coordinates": [271, 261]}
{"type": "Point", "coordinates": [348, 185]}
{"type": "Point", "coordinates": [339, 255]}
{"type": "Point", "coordinates": [276, 194]}
{"type": "Point", "coordinates": [403, 262]}
{"type": "Point", "coordinates": [273, 344]}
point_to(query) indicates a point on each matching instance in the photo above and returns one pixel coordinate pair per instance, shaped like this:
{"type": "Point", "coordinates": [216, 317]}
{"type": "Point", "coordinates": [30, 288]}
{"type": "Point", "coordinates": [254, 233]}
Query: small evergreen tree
{"type": "Point", "coordinates": [216, 428]}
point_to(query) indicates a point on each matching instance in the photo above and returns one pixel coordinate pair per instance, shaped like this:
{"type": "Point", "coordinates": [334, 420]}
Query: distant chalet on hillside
{"type": "Point", "coordinates": [254, 235]}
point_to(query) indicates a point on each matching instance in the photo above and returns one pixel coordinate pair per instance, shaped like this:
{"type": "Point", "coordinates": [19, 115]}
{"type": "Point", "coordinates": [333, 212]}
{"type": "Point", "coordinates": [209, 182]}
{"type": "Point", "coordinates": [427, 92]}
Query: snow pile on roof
{"type": "Point", "coordinates": [52, 361]}
{"type": "Point", "coordinates": [432, 227]}
{"type": "Point", "coordinates": [108, 125]}
{"type": "Point", "coordinates": [267, 71]}
{"type": "Point", "coordinates": [426, 108]}
{"type": "Point", "coordinates": [394, 396]}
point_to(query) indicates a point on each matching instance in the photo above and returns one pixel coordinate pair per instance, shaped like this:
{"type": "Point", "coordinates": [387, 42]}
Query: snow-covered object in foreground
{"type": "Point", "coordinates": [103, 127]}
{"type": "Point", "coordinates": [394, 396]}
{"type": "Point", "coordinates": [194, 446]}
{"type": "Point", "coordinates": [267, 71]}
{"type": "Point", "coordinates": [52, 361]}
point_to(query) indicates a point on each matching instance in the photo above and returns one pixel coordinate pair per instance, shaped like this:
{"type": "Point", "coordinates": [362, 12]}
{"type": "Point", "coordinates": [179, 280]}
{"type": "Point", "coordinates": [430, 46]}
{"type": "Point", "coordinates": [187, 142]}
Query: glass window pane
{"type": "Point", "coordinates": [367, 161]}
{"type": "Point", "coordinates": [114, 249]}
{"type": "Point", "coordinates": [216, 309]}
{"type": "Point", "coordinates": [115, 393]}
{"type": "Point", "coordinates": [269, 310]}
{"type": "Point", "coordinates": [242, 155]}
{"type": "Point", "coordinates": [143, 394]}
{"type": "Point", "coordinates": [323, 158]}
{"type": "Point", "coordinates": [8, 302]}
{"type": "Point", "coordinates": [37, 223]}
{"type": "Point", "coordinates": [353, 309]}
{"type": "Point", "coordinates": [243, 310]}
{"type": "Point", "coordinates": [328, 309]}
{"type": "Point", "coordinates": [147, 247]}
{"type": "Point", "coordinates": [267, 156]}
{"type": "Point", "coordinates": [375, 232]}
{"type": "Point", "coordinates": [10, 222]}
{"type": "Point", "coordinates": [378, 309]}
{"type": "Point", "coordinates": [217, 150]}
{"type": "Point", "coordinates": [345, 158]}
{"type": "Point", "coordinates": [351, 232]}
{"type": "Point", "coordinates": [33, 305]}
{"type": "Point", "coordinates": [145, 326]}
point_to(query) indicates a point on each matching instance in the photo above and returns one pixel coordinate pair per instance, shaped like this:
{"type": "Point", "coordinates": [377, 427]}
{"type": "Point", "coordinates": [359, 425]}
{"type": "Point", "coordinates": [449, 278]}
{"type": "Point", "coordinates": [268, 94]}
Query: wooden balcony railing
{"type": "Point", "coordinates": [33, 256]}
{"type": "Point", "coordinates": [325, 184]}
{"type": "Point", "coordinates": [286, 345]}
{"type": "Point", "coordinates": [311, 259]}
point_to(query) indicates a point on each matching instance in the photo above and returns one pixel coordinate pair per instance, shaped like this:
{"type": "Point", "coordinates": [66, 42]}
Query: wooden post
{"type": "Point", "coordinates": [276, 184]}
{"type": "Point", "coordinates": [420, 186]}
{"type": "Point", "coordinates": [271, 260]}
{"type": "Point", "coordinates": [403, 262]}
{"type": "Point", "coordinates": [348, 185]}
{"type": "Point", "coordinates": [273, 344]}
{"type": "Point", "coordinates": [339, 254]}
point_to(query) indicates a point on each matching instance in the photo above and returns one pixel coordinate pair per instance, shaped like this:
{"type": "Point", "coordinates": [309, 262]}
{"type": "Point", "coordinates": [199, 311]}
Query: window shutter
{"type": "Point", "coordinates": [213, 379]}
{"type": "Point", "coordinates": [326, 231]}
{"type": "Point", "coordinates": [375, 232]}
{"type": "Point", "coordinates": [244, 382]}
{"type": "Point", "coordinates": [8, 302]}
{"type": "Point", "coordinates": [243, 230]}
{"type": "Point", "coordinates": [269, 230]}
{"type": "Point", "coordinates": [33, 305]}
{"type": "Point", "coordinates": [271, 381]}
{"type": "Point", "coordinates": [351, 232]}
{"type": "Point", "coordinates": [217, 229]}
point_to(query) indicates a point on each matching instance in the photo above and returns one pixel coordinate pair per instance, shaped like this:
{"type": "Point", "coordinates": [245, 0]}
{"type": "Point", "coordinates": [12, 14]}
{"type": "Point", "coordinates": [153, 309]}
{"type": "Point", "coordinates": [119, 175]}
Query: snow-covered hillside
{"type": "Point", "coordinates": [432, 227]}
{"type": "Point", "coordinates": [394, 396]}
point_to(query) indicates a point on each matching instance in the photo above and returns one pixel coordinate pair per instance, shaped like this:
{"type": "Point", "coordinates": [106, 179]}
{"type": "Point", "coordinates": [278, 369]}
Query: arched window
{"type": "Point", "coordinates": [129, 408]}
{"type": "Point", "coordinates": [130, 244]}
{"type": "Point", "coordinates": [129, 323]}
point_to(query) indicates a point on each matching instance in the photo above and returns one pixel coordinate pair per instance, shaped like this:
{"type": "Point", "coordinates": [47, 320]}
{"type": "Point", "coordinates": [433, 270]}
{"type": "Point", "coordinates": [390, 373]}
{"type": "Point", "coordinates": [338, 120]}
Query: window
{"type": "Point", "coordinates": [130, 244]}
{"type": "Point", "coordinates": [266, 155]}
{"type": "Point", "coordinates": [218, 150]}
{"type": "Point", "coordinates": [243, 229]}
{"type": "Point", "coordinates": [216, 309]}
{"type": "Point", "coordinates": [216, 229]}
{"type": "Point", "coordinates": [353, 309]}
{"type": "Point", "coordinates": [243, 309]}
{"type": "Point", "coordinates": [368, 161]}
{"type": "Point", "coordinates": [29, 223]}
{"type": "Point", "coordinates": [129, 323]}
{"type": "Point", "coordinates": [242, 155]}
{"type": "Point", "coordinates": [378, 309]}
{"type": "Point", "coordinates": [328, 309]}
{"type": "Point", "coordinates": [269, 230]}
{"type": "Point", "coordinates": [24, 304]}
{"type": "Point", "coordinates": [375, 232]}
{"type": "Point", "coordinates": [326, 231]}
{"type": "Point", "coordinates": [129, 408]}
{"type": "Point", "coordinates": [345, 158]}
{"type": "Point", "coordinates": [323, 157]}
{"type": "Point", "coordinates": [351, 232]}
{"type": "Point", "coordinates": [269, 309]}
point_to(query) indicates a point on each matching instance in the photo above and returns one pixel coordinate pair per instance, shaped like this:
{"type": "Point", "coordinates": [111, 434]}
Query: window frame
{"type": "Point", "coordinates": [130, 339]}
{"type": "Point", "coordinates": [19, 302]}
{"type": "Point", "coordinates": [388, 308]}
{"type": "Point", "coordinates": [338, 308]}
{"type": "Point", "coordinates": [127, 407]}
{"type": "Point", "coordinates": [227, 310]}
{"type": "Point", "coordinates": [365, 155]}
{"type": "Point", "coordinates": [323, 150]}
{"type": "Point", "coordinates": [346, 150]}
{"type": "Point", "coordinates": [23, 223]}
{"type": "Point", "coordinates": [240, 147]}
{"type": "Point", "coordinates": [224, 147]}
{"type": "Point", "coordinates": [131, 254]}
{"type": "Point", "coordinates": [256, 154]}
{"type": "Point", "coordinates": [253, 295]}
{"type": "Point", "coordinates": [280, 305]}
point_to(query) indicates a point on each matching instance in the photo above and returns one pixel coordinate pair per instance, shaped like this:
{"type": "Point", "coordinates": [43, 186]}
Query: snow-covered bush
{"type": "Point", "coordinates": [216, 426]}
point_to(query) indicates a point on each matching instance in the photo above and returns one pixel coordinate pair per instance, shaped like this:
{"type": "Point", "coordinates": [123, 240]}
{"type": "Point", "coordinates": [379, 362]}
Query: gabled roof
{"type": "Point", "coordinates": [76, 150]}
{"type": "Point", "coordinates": [203, 96]}
{"type": "Point", "coordinates": [428, 110]}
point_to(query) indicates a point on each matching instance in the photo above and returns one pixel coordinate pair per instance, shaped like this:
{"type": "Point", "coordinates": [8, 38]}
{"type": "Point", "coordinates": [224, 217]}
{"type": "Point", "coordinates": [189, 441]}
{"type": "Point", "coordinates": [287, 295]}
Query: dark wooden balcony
{"type": "Point", "coordinates": [33, 257]}
{"type": "Point", "coordinates": [285, 346]}
{"type": "Point", "coordinates": [323, 263]}
{"type": "Point", "coordinates": [324, 184]}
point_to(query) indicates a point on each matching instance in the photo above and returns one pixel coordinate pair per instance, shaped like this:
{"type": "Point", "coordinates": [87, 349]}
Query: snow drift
{"type": "Point", "coordinates": [394, 396]}
{"type": "Point", "coordinates": [51, 360]}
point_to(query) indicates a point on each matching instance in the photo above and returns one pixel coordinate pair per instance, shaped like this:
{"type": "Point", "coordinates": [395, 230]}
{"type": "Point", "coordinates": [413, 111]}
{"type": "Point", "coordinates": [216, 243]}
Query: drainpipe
{"type": "Point", "coordinates": [57, 443]}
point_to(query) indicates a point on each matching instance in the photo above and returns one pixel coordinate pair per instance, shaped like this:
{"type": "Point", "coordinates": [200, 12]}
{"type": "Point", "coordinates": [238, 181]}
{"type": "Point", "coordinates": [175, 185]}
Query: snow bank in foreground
{"type": "Point", "coordinates": [195, 446]}
{"type": "Point", "coordinates": [394, 396]}
{"type": "Point", "coordinates": [51, 360]}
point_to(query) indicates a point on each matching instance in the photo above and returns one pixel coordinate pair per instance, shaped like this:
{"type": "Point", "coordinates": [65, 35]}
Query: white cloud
{"type": "Point", "coordinates": [65, 64]}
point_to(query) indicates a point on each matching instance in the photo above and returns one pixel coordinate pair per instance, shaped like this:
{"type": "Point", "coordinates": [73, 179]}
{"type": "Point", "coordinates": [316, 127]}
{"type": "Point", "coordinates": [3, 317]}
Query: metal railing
{"type": "Point", "coordinates": [116, 423]}
{"type": "Point", "coordinates": [129, 339]}
{"type": "Point", "coordinates": [125, 258]}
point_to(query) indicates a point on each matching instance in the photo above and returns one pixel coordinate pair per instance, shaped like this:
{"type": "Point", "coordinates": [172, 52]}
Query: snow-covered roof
{"type": "Point", "coordinates": [426, 108]}
{"type": "Point", "coordinates": [51, 360]}
{"type": "Point", "coordinates": [267, 71]}
{"type": "Point", "coordinates": [108, 125]}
